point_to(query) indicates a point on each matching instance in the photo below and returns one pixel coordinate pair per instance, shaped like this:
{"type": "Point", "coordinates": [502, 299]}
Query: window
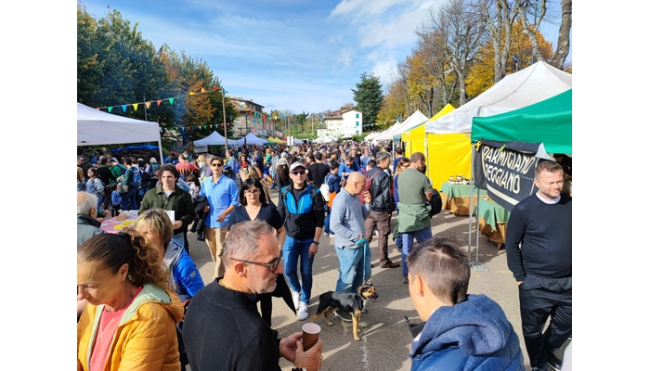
{"type": "Point", "coordinates": [357, 115]}
{"type": "Point", "coordinates": [357, 132]}
{"type": "Point", "coordinates": [357, 123]}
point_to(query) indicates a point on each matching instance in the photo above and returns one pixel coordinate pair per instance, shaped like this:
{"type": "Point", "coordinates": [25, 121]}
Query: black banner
{"type": "Point", "coordinates": [507, 169]}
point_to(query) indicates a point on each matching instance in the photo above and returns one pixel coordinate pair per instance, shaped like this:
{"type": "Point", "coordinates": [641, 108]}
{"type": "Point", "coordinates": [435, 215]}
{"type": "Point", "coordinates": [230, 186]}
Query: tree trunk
{"type": "Point", "coordinates": [562, 50]}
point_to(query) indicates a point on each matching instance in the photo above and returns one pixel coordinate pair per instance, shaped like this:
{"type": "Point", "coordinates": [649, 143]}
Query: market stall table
{"type": "Point", "coordinates": [113, 225]}
{"type": "Point", "coordinates": [492, 220]}
{"type": "Point", "coordinates": [455, 197]}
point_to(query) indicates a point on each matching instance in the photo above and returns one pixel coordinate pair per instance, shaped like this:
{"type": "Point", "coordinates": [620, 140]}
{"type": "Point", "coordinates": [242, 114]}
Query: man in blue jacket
{"type": "Point", "coordinates": [461, 332]}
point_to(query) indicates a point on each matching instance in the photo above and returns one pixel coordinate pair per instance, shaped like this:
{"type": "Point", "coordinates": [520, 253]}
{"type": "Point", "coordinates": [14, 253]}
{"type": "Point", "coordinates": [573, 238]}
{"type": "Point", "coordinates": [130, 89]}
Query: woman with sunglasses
{"type": "Point", "coordinates": [255, 205]}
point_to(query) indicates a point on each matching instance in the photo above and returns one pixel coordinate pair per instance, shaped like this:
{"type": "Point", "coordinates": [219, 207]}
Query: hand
{"type": "Point", "coordinates": [310, 359]}
{"type": "Point", "coordinates": [313, 249]}
{"type": "Point", "coordinates": [360, 237]}
{"type": "Point", "coordinates": [221, 218]}
{"type": "Point", "coordinates": [177, 224]}
{"type": "Point", "coordinates": [367, 198]}
{"type": "Point", "coordinates": [519, 282]}
{"type": "Point", "coordinates": [206, 208]}
{"type": "Point", "coordinates": [288, 346]}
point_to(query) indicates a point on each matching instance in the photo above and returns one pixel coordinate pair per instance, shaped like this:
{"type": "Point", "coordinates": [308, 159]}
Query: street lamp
{"type": "Point", "coordinates": [246, 130]}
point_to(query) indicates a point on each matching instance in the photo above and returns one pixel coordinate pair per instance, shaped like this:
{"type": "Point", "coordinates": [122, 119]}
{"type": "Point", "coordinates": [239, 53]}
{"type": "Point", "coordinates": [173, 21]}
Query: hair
{"type": "Point", "coordinates": [153, 160]}
{"type": "Point", "coordinates": [349, 158]}
{"type": "Point", "coordinates": [399, 150]}
{"type": "Point", "coordinates": [141, 163]}
{"type": "Point", "coordinates": [216, 158]}
{"type": "Point", "coordinates": [381, 156]}
{"type": "Point", "coordinates": [85, 202]}
{"type": "Point", "coordinates": [250, 171]}
{"type": "Point", "coordinates": [201, 158]}
{"type": "Point", "coordinates": [318, 156]}
{"type": "Point", "coordinates": [550, 166]}
{"type": "Point", "coordinates": [246, 185]}
{"type": "Point", "coordinates": [417, 156]}
{"type": "Point", "coordinates": [103, 161]}
{"type": "Point", "coordinates": [334, 165]}
{"type": "Point", "coordinates": [243, 239]}
{"type": "Point", "coordinates": [93, 170]}
{"type": "Point", "coordinates": [443, 267]}
{"type": "Point", "coordinates": [181, 157]}
{"type": "Point", "coordinates": [80, 174]}
{"type": "Point", "coordinates": [283, 171]}
{"type": "Point", "coordinates": [311, 157]}
{"type": "Point", "coordinates": [112, 187]}
{"type": "Point", "coordinates": [158, 221]}
{"type": "Point", "coordinates": [171, 168]}
{"type": "Point", "coordinates": [190, 178]}
{"type": "Point", "coordinates": [128, 247]}
{"type": "Point", "coordinates": [402, 162]}
{"type": "Point", "coordinates": [128, 160]}
{"type": "Point", "coordinates": [243, 155]}
{"type": "Point", "coordinates": [372, 163]}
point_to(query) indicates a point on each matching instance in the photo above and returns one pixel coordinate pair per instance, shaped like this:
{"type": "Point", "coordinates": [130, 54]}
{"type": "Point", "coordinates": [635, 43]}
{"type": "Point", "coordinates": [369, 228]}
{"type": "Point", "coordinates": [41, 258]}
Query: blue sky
{"type": "Point", "coordinates": [296, 55]}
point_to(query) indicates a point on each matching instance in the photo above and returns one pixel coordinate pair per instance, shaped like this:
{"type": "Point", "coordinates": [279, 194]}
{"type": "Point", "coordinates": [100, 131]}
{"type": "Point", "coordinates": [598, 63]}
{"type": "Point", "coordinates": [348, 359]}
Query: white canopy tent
{"type": "Point", "coordinates": [412, 121]}
{"type": "Point", "coordinates": [214, 139]}
{"type": "Point", "coordinates": [251, 139]}
{"type": "Point", "coordinates": [324, 139]}
{"type": "Point", "coordinates": [95, 127]}
{"type": "Point", "coordinates": [531, 85]}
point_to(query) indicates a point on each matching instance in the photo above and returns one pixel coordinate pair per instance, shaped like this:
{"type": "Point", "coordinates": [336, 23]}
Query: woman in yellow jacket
{"type": "Point", "coordinates": [129, 322]}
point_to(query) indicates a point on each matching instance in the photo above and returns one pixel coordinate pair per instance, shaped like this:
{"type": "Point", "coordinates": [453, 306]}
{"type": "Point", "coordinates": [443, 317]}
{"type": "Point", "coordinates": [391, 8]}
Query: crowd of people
{"type": "Point", "coordinates": [137, 286]}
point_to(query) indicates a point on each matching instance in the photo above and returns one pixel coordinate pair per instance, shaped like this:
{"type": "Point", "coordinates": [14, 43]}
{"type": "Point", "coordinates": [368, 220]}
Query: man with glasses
{"type": "Point", "coordinates": [229, 306]}
{"type": "Point", "coordinates": [348, 167]}
{"type": "Point", "coordinates": [302, 209]}
{"type": "Point", "coordinates": [223, 196]}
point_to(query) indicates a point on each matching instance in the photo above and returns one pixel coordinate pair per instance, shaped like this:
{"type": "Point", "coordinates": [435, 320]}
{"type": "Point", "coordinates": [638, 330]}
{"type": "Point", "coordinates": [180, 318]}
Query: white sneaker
{"type": "Point", "coordinates": [302, 312]}
{"type": "Point", "coordinates": [296, 299]}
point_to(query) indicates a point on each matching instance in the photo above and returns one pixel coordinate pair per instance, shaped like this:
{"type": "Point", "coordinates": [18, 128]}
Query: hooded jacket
{"type": "Point", "coordinates": [472, 335]}
{"type": "Point", "coordinates": [186, 276]}
{"type": "Point", "coordinates": [146, 337]}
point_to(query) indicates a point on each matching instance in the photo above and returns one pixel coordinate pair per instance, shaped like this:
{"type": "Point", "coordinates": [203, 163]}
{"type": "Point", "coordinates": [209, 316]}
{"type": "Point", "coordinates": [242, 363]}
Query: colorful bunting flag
{"type": "Point", "coordinates": [171, 101]}
{"type": "Point", "coordinates": [135, 106]}
{"type": "Point", "coordinates": [124, 107]}
{"type": "Point", "coordinates": [110, 109]}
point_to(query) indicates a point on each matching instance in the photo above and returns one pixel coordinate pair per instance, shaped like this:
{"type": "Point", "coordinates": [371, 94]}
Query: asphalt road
{"type": "Point", "coordinates": [385, 339]}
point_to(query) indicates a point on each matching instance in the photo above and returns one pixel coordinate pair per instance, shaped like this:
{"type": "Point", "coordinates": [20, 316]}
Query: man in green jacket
{"type": "Point", "coordinates": [413, 220]}
{"type": "Point", "coordinates": [168, 196]}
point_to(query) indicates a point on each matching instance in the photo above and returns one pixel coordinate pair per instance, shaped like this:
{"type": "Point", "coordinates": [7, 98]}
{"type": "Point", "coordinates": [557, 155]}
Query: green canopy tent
{"type": "Point", "coordinates": [547, 122]}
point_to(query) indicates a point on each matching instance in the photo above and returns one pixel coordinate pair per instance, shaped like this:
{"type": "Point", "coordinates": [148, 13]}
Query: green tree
{"type": "Point", "coordinates": [369, 98]}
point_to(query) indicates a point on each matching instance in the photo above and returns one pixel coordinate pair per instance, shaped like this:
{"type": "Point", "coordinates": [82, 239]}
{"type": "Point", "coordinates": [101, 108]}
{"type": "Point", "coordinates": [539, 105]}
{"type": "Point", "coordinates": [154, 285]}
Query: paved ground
{"type": "Point", "coordinates": [385, 339]}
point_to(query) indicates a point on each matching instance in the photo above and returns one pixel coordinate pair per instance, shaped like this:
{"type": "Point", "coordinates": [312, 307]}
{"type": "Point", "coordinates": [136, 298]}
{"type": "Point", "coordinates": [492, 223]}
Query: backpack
{"type": "Point", "coordinates": [136, 179]}
{"type": "Point", "coordinates": [436, 203]}
{"type": "Point", "coordinates": [368, 185]}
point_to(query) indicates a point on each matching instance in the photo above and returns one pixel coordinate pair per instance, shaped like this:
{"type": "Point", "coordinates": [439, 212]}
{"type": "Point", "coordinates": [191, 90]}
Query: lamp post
{"type": "Point", "coordinates": [246, 129]}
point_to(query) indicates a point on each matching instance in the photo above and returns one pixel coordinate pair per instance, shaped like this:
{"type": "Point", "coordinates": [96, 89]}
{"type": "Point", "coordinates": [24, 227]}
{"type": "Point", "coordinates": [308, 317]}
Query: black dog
{"type": "Point", "coordinates": [351, 303]}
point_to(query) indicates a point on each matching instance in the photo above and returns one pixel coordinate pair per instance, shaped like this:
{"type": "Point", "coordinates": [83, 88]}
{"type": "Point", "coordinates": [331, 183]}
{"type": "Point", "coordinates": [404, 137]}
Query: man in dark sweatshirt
{"type": "Point", "coordinates": [542, 265]}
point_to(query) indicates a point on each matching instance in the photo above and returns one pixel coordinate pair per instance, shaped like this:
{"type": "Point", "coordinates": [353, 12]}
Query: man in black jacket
{"type": "Point", "coordinates": [538, 247]}
{"type": "Point", "coordinates": [381, 208]}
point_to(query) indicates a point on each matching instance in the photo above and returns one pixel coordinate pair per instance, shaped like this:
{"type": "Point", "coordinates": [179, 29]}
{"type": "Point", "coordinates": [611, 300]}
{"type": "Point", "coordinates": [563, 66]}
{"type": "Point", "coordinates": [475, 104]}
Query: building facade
{"type": "Point", "coordinates": [251, 119]}
{"type": "Point", "coordinates": [347, 121]}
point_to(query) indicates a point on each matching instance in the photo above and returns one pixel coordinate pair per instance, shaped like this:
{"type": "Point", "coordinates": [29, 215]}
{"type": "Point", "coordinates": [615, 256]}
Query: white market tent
{"type": "Point", "coordinates": [252, 140]}
{"type": "Point", "coordinates": [533, 84]}
{"type": "Point", "coordinates": [412, 121]}
{"type": "Point", "coordinates": [95, 127]}
{"type": "Point", "coordinates": [324, 139]}
{"type": "Point", "coordinates": [214, 139]}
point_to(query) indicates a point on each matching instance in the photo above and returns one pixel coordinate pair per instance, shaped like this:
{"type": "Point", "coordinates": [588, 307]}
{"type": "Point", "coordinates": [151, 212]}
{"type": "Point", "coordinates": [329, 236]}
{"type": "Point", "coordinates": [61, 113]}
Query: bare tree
{"type": "Point", "coordinates": [499, 16]}
{"type": "Point", "coordinates": [530, 8]}
{"type": "Point", "coordinates": [562, 49]}
{"type": "Point", "coordinates": [461, 28]}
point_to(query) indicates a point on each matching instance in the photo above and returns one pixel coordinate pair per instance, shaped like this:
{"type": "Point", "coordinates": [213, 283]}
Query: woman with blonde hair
{"type": "Point", "coordinates": [81, 185]}
{"type": "Point", "coordinates": [130, 320]}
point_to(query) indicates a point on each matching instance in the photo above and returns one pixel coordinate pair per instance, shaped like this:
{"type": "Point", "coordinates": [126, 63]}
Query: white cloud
{"type": "Point", "coordinates": [345, 57]}
{"type": "Point", "coordinates": [362, 7]}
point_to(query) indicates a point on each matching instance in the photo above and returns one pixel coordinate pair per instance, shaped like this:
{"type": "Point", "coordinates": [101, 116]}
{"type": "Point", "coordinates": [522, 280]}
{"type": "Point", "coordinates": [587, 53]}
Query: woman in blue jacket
{"type": "Point", "coordinates": [461, 331]}
{"type": "Point", "coordinates": [157, 229]}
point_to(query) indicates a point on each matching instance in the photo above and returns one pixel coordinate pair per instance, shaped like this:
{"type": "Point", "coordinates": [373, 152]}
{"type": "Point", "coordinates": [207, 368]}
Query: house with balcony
{"type": "Point", "coordinates": [251, 122]}
{"type": "Point", "coordinates": [347, 121]}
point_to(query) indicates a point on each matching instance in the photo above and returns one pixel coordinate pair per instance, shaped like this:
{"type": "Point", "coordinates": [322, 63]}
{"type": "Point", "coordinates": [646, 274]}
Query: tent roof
{"type": "Point", "coordinates": [530, 85]}
{"type": "Point", "coordinates": [414, 120]}
{"type": "Point", "coordinates": [547, 122]}
{"type": "Point", "coordinates": [252, 139]}
{"type": "Point", "coordinates": [445, 110]}
{"type": "Point", "coordinates": [214, 139]}
{"type": "Point", "coordinates": [95, 127]}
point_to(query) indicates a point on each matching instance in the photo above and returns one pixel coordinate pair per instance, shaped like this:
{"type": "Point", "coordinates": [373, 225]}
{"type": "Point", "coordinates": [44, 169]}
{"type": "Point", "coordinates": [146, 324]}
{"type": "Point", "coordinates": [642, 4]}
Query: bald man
{"type": "Point", "coordinates": [347, 223]}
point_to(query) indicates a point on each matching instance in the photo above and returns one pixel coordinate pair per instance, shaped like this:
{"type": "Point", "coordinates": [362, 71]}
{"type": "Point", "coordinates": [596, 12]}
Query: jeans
{"type": "Point", "coordinates": [128, 199]}
{"type": "Point", "coordinates": [291, 250]}
{"type": "Point", "coordinates": [354, 268]}
{"type": "Point", "coordinates": [99, 202]}
{"type": "Point", "coordinates": [407, 243]}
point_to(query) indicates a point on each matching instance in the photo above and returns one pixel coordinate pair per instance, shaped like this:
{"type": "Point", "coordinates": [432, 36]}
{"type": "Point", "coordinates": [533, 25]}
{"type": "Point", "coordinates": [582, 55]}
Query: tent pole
{"type": "Point", "coordinates": [476, 265]}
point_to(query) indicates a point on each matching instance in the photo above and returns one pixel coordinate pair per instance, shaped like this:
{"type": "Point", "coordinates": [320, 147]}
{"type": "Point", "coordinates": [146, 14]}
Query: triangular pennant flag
{"type": "Point", "coordinates": [147, 104]}
{"type": "Point", "coordinates": [110, 109]}
{"type": "Point", "coordinates": [202, 90]}
{"type": "Point", "coordinates": [135, 106]}
{"type": "Point", "coordinates": [191, 93]}
{"type": "Point", "coordinates": [171, 100]}
{"type": "Point", "coordinates": [205, 126]}
{"type": "Point", "coordinates": [158, 101]}
{"type": "Point", "coordinates": [124, 107]}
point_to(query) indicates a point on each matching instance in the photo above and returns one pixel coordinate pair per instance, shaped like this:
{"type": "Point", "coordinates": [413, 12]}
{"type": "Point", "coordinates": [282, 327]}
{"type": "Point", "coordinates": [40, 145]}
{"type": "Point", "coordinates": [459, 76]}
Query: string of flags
{"type": "Point", "coordinates": [203, 91]}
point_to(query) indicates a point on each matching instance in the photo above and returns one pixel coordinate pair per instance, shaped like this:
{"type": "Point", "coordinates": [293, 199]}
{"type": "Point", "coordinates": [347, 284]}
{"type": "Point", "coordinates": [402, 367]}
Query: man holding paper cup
{"type": "Point", "coordinates": [223, 329]}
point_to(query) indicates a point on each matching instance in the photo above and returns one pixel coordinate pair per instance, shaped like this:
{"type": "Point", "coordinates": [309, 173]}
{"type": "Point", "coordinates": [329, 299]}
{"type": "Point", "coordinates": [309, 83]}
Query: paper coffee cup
{"type": "Point", "coordinates": [310, 333]}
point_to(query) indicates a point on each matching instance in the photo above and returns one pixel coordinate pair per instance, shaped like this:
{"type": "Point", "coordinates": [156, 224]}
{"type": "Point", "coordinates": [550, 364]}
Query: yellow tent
{"type": "Point", "coordinates": [447, 154]}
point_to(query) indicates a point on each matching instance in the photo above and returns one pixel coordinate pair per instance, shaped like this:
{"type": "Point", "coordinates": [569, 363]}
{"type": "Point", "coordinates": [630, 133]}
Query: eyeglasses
{"type": "Point", "coordinates": [253, 192]}
{"type": "Point", "coordinates": [273, 265]}
{"type": "Point", "coordinates": [216, 165]}
{"type": "Point", "coordinates": [298, 172]}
